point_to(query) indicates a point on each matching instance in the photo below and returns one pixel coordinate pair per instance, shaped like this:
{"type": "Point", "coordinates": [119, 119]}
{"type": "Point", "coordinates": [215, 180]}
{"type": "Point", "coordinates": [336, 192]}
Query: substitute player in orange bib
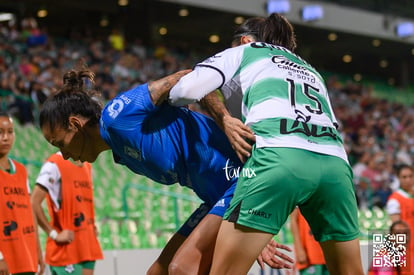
{"type": "Point", "coordinates": [20, 251]}
{"type": "Point", "coordinates": [72, 246]}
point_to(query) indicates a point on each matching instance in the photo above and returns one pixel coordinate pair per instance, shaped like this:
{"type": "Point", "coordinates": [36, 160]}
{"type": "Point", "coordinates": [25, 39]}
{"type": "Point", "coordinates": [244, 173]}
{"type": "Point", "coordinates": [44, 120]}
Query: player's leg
{"type": "Point", "coordinates": [237, 248]}
{"type": "Point", "coordinates": [87, 271]}
{"type": "Point", "coordinates": [160, 266]}
{"type": "Point", "coordinates": [196, 253]}
{"type": "Point", "coordinates": [343, 258]}
{"type": "Point", "coordinates": [268, 190]}
{"type": "Point", "coordinates": [88, 267]}
{"type": "Point", "coordinates": [332, 214]}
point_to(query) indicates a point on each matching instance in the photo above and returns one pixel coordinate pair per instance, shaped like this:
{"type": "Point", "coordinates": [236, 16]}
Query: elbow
{"type": "Point", "coordinates": [182, 95]}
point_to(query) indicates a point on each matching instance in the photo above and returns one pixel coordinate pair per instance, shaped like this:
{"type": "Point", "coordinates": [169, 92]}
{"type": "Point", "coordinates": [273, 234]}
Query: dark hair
{"type": "Point", "coordinates": [402, 167]}
{"type": "Point", "coordinates": [277, 30]}
{"type": "Point", "coordinates": [249, 27]}
{"type": "Point", "coordinates": [5, 114]}
{"type": "Point", "coordinates": [76, 97]}
{"type": "Point", "coordinates": [398, 222]}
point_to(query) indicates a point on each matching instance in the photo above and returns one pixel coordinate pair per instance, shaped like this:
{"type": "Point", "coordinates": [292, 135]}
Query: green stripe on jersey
{"type": "Point", "coordinates": [265, 89]}
{"type": "Point", "coordinates": [251, 56]}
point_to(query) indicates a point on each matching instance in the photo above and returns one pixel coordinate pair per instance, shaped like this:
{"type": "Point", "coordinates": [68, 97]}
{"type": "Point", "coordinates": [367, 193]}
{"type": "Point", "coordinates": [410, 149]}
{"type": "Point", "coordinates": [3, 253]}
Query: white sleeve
{"type": "Point", "coordinates": [49, 178]}
{"type": "Point", "coordinates": [28, 186]}
{"type": "Point", "coordinates": [393, 207]}
{"type": "Point", "coordinates": [206, 77]}
{"type": "Point", "coordinates": [195, 85]}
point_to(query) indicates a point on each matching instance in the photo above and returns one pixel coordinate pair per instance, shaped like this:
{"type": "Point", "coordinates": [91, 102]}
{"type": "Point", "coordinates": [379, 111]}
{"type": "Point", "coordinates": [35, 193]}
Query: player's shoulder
{"type": "Point", "coordinates": [124, 103]}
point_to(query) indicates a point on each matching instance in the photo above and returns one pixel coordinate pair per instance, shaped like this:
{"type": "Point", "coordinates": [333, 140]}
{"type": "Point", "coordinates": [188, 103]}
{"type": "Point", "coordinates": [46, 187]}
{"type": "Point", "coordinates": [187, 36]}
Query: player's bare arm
{"type": "Point", "coordinates": [236, 131]}
{"type": "Point", "coordinates": [159, 89]}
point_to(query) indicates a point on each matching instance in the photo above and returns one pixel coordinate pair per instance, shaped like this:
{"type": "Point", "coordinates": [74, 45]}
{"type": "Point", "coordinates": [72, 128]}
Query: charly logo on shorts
{"type": "Point", "coordinates": [259, 213]}
{"type": "Point", "coordinates": [237, 171]}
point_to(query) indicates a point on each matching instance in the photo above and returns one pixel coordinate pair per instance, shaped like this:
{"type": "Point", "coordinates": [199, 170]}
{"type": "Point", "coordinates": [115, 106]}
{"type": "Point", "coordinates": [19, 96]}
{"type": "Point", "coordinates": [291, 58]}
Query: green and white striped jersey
{"type": "Point", "coordinates": [282, 98]}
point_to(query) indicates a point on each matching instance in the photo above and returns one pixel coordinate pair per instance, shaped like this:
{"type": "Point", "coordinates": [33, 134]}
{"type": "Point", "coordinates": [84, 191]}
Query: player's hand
{"type": "Point", "coordinates": [274, 258]}
{"type": "Point", "coordinates": [41, 265]}
{"type": "Point", "coordinates": [65, 237]}
{"type": "Point", "coordinates": [301, 256]}
{"type": "Point", "coordinates": [239, 136]}
{"type": "Point", "coordinates": [4, 269]}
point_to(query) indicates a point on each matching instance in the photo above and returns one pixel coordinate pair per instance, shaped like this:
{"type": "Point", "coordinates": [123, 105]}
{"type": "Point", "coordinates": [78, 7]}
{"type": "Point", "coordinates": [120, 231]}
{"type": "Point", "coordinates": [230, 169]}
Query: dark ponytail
{"type": "Point", "coordinates": [76, 97]}
{"type": "Point", "coordinates": [249, 27]}
{"type": "Point", "coordinates": [277, 30]}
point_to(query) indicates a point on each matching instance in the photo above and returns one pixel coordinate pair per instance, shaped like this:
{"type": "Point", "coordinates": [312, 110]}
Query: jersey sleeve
{"type": "Point", "coordinates": [393, 207]}
{"type": "Point", "coordinates": [207, 76]}
{"type": "Point", "coordinates": [49, 178]}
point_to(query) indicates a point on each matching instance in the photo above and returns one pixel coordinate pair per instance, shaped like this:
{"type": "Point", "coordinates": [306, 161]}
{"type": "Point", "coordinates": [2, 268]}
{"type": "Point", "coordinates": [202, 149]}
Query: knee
{"type": "Point", "coordinates": [175, 268]}
{"type": "Point", "coordinates": [157, 269]}
{"type": "Point", "coordinates": [151, 270]}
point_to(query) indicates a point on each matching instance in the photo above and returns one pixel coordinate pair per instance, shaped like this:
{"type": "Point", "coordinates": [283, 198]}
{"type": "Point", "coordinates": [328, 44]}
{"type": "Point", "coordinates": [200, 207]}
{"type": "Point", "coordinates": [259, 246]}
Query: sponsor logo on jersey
{"type": "Point", "coordinates": [80, 198]}
{"type": "Point", "coordinates": [78, 219]}
{"type": "Point", "coordinates": [278, 48]}
{"type": "Point", "coordinates": [9, 227]}
{"type": "Point", "coordinates": [300, 71]}
{"type": "Point", "coordinates": [82, 184]}
{"type": "Point", "coordinates": [308, 129]}
{"type": "Point", "coordinates": [12, 205]}
{"type": "Point", "coordinates": [28, 229]}
{"type": "Point", "coordinates": [14, 191]}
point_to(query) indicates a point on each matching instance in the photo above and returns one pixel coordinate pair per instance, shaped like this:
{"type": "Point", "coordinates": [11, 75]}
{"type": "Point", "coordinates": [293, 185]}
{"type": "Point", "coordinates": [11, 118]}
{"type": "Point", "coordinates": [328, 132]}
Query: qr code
{"type": "Point", "coordinates": [389, 250]}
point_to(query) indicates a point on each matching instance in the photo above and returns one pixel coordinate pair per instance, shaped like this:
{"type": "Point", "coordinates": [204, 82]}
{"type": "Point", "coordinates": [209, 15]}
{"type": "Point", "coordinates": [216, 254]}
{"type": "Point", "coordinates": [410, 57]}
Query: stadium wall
{"type": "Point", "coordinates": [336, 17]}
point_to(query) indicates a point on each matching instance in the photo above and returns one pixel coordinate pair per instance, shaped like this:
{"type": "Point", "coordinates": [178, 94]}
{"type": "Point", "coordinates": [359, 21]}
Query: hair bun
{"type": "Point", "coordinates": [72, 79]}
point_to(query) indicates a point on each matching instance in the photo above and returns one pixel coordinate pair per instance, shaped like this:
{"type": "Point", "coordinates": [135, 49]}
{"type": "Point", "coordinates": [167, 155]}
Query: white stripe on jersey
{"type": "Point", "coordinates": [301, 143]}
{"type": "Point", "coordinates": [279, 107]}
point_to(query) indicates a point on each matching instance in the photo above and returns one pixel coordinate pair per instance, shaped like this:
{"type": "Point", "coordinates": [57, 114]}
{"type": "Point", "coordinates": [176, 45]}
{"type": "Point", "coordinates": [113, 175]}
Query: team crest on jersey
{"type": "Point", "coordinates": [115, 108]}
{"type": "Point", "coordinates": [117, 105]}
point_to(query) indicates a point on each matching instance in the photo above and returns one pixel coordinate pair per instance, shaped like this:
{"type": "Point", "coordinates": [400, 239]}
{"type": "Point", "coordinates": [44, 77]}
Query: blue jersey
{"type": "Point", "coordinates": [169, 144]}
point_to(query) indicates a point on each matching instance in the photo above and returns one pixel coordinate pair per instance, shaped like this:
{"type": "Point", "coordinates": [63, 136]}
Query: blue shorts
{"type": "Point", "coordinates": [221, 206]}
{"type": "Point", "coordinates": [218, 209]}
